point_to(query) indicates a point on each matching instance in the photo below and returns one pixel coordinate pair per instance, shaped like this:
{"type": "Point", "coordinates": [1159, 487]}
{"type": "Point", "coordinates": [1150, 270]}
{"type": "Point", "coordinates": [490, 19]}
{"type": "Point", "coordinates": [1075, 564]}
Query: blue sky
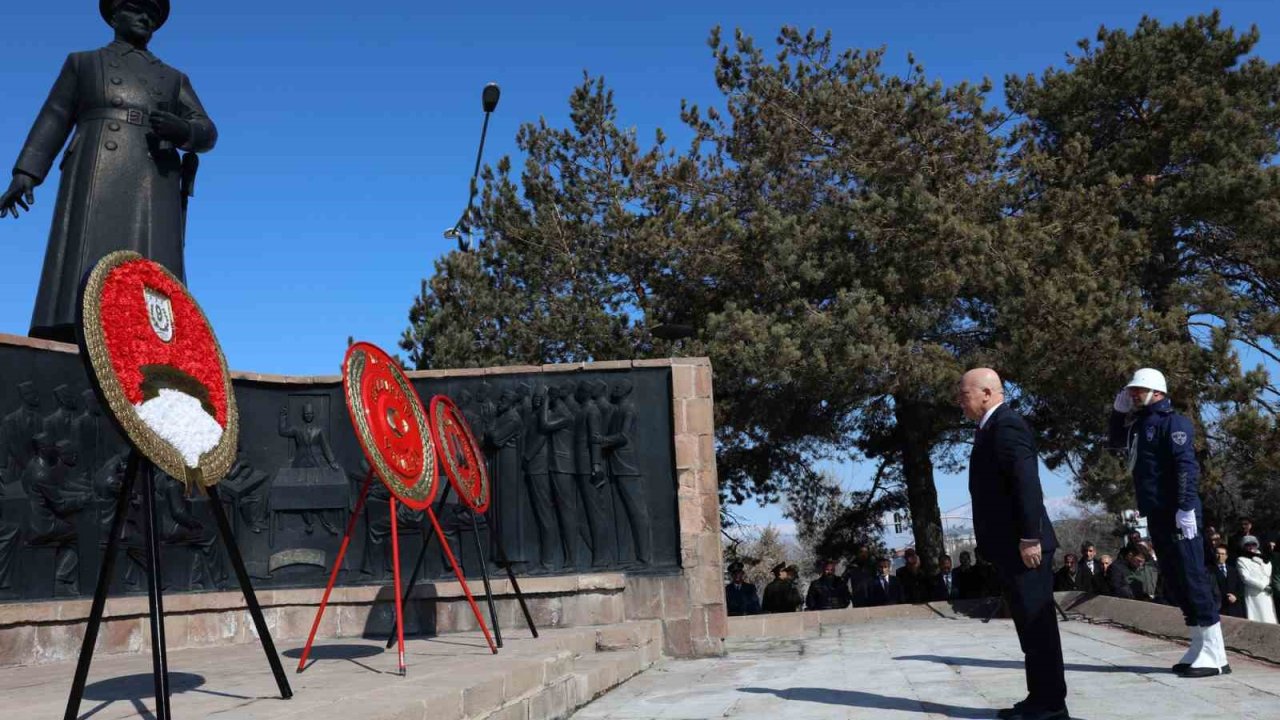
{"type": "Point", "coordinates": [348, 130]}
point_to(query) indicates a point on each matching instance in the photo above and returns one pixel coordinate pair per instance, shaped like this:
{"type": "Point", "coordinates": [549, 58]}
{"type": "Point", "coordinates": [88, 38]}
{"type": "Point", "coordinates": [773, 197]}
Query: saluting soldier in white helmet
{"type": "Point", "coordinates": [1159, 444]}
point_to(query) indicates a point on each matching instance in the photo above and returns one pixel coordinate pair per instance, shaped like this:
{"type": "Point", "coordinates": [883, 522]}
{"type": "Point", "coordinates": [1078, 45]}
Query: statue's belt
{"type": "Point", "coordinates": [132, 116]}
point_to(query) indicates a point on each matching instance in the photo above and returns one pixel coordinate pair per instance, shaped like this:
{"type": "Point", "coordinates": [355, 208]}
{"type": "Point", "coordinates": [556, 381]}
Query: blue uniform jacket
{"type": "Point", "coordinates": [1160, 447]}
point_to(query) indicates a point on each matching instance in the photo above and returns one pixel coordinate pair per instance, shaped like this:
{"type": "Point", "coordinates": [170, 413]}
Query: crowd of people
{"type": "Point", "coordinates": [865, 582]}
{"type": "Point", "coordinates": [1247, 580]}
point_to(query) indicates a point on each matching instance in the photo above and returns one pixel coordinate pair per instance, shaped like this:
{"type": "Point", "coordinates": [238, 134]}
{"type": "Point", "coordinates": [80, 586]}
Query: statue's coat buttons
{"type": "Point", "coordinates": [117, 101]}
{"type": "Point", "coordinates": [111, 145]}
{"type": "Point", "coordinates": [113, 126]}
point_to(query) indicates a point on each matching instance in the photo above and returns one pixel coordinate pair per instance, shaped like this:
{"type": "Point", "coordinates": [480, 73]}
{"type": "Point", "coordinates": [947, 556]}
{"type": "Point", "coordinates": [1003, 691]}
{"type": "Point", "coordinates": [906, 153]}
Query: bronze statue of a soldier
{"type": "Point", "coordinates": [124, 181]}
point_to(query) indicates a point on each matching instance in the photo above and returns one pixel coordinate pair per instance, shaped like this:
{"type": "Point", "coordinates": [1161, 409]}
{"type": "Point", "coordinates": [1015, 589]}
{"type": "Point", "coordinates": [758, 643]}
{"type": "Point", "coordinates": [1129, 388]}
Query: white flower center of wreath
{"type": "Point", "coordinates": [181, 421]}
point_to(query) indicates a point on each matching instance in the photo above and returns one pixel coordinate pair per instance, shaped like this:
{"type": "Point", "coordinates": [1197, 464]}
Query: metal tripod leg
{"type": "Point", "coordinates": [417, 567]}
{"type": "Point", "coordinates": [250, 597]}
{"type": "Point", "coordinates": [103, 587]}
{"type": "Point", "coordinates": [524, 607]}
{"type": "Point", "coordinates": [155, 595]}
{"type": "Point", "coordinates": [337, 566]}
{"type": "Point", "coordinates": [484, 575]}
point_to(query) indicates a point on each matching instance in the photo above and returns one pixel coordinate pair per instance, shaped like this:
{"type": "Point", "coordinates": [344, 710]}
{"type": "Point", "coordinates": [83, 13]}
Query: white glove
{"type": "Point", "coordinates": [1186, 520]}
{"type": "Point", "coordinates": [1123, 403]}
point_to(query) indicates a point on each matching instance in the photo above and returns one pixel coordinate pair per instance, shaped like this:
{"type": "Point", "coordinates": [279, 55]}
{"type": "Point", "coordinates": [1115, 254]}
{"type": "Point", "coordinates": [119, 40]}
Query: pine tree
{"type": "Point", "coordinates": [1173, 129]}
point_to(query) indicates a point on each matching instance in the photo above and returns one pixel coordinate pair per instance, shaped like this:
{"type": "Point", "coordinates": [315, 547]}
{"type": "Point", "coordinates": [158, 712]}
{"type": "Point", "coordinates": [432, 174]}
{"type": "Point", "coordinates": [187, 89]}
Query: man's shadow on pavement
{"type": "Point", "coordinates": [857, 698]}
{"type": "Point", "coordinates": [1018, 664]}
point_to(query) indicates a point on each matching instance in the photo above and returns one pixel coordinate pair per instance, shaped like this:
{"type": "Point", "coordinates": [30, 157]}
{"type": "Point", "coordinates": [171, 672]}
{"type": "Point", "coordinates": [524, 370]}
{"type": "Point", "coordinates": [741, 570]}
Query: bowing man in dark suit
{"type": "Point", "coordinates": [1013, 533]}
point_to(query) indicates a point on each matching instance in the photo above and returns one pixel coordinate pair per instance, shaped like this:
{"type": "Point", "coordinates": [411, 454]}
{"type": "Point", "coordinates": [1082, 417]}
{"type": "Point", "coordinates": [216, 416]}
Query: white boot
{"type": "Point", "coordinates": [1193, 652]}
{"type": "Point", "coordinates": [1213, 655]}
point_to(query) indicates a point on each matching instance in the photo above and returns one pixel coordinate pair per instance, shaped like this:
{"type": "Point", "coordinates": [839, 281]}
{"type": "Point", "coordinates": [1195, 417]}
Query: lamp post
{"type": "Point", "coordinates": [461, 230]}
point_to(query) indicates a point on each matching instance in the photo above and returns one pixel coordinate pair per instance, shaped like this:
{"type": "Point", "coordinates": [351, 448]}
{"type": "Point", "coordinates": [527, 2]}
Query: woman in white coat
{"type": "Point", "coordinates": [1255, 576]}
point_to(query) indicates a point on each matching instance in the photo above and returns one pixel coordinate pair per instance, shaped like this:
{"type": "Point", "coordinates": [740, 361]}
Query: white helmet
{"type": "Point", "coordinates": [1150, 379]}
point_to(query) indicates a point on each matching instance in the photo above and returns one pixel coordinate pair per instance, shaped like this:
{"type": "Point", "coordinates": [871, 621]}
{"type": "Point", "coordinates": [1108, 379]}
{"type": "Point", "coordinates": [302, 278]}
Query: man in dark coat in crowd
{"type": "Point", "coordinates": [967, 579]}
{"type": "Point", "coordinates": [1093, 574]}
{"type": "Point", "coordinates": [859, 571]}
{"type": "Point", "coordinates": [740, 596]}
{"type": "Point", "coordinates": [942, 587]}
{"type": "Point", "coordinates": [1227, 578]}
{"type": "Point", "coordinates": [1014, 533]}
{"type": "Point", "coordinates": [1069, 577]}
{"type": "Point", "coordinates": [1246, 529]}
{"type": "Point", "coordinates": [884, 588]}
{"type": "Point", "coordinates": [781, 595]}
{"type": "Point", "coordinates": [829, 592]}
{"type": "Point", "coordinates": [1132, 577]}
{"type": "Point", "coordinates": [915, 586]}
{"type": "Point", "coordinates": [123, 178]}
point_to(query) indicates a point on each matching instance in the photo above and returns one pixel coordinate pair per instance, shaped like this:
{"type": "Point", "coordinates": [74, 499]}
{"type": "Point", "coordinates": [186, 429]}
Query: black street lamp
{"type": "Point", "coordinates": [461, 230]}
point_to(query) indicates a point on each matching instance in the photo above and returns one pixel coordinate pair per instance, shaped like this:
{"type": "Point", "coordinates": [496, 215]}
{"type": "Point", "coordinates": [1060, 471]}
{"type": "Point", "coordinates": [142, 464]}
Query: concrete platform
{"type": "Point", "coordinates": [450, 678]}
{"type": "Point", "coordinates": [939, 667]}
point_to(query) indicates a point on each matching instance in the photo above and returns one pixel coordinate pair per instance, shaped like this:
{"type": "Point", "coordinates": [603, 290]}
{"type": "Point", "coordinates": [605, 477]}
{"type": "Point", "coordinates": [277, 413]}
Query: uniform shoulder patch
{"type": "Point", "coordinates": [1179, 438]}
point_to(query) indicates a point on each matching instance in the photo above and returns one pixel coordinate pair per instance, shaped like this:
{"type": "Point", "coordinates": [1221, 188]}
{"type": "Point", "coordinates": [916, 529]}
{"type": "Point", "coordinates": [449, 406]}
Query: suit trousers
{"type": "Point", "coordinates": [603, 546]}
{"type": "Point", "coordinates": [550, 550]}
{"type": "Point", "coordinates": [1029, 594]}
{"type": "Point", "coordinates": [567, 514]}
{"type": "Point", "coordinates": [631, 491]}
{"type": "Point", "coordinates": [1186, 579]}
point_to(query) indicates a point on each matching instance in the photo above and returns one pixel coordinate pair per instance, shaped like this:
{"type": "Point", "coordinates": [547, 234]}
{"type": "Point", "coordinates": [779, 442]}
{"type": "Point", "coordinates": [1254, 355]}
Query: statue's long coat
{"type": "Point", "coordinates": [120, 188]}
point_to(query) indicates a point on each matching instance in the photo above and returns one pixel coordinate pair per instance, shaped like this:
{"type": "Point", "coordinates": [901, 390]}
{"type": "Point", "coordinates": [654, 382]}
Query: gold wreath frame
{"type": "Point", "coordinates": [445, 412]}
{"type": "Point", "coordinates": [422, 492]}
{"type": "Point", "coordinates": [215, 463]}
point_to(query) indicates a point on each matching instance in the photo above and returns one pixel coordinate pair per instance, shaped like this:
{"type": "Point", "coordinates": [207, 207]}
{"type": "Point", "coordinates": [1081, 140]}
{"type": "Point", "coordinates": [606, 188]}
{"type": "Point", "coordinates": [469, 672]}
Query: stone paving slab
{"type": "Point", "coordinates": [449, 677]}
{"type": "Point", "coordinates": [935, 668]}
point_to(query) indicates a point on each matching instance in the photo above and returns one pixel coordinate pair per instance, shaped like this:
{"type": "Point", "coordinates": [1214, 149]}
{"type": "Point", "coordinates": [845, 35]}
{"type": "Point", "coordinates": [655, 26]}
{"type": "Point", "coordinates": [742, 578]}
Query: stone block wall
{"type": "Point", "coordinates": [688, 599]}
{"type": "Point", "coordinates": [691, 604]}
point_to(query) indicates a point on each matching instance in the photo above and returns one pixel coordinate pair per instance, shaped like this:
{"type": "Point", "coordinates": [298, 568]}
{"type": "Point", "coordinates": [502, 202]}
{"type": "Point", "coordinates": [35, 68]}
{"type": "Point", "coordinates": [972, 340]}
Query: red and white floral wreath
{"type": "Point", "coordinates": [158, 367]}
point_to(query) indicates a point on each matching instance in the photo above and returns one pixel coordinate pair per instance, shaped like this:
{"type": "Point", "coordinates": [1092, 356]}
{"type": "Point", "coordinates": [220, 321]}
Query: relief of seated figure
{"type": "Point", "coordinates": [312, 468]}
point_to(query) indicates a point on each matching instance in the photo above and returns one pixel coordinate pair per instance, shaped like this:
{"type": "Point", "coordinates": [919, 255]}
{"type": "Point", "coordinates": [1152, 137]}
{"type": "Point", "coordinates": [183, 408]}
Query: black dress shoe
{"type": "Point", "coordinates": [1059, 714]}
{"type": "Point", "coordinates": [1196, 672]}
{"type": "Point", "coordinates": [1181, 668]}
{"type": "Point", "coordinates": [1011, 712]}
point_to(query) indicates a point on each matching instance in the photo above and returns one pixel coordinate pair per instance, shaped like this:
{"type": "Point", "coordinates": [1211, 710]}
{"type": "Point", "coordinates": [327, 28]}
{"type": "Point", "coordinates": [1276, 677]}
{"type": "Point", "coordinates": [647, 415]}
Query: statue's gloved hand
{"type": "Point", "coordinates": [170, 127]}
{"type": "Point", "coordinates": [21, 194]}
{"type": "Point", "coordinates": [1123, 402]}
{"type": "Point", "coordinates": [1186, 520]}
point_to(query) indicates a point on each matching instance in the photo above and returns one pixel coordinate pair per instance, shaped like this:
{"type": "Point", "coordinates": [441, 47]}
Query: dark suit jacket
{"type": "Point", "coordinates": [1063, 580]}
{"type": "Point", "coordinates": [1004, 482]}
{"type": "Point", "coordinates": [939, 591]}
{"type": "Point", "coordinates": [1229, 584]}
{"type": "Point", "coordinates": [968, 582]}
{"type": "Point", "coordinates": [915, 586]}
{"type": "Point", "coordinates": [1095, 581]}
{"type": "Point", "coordinates": [878, 595]}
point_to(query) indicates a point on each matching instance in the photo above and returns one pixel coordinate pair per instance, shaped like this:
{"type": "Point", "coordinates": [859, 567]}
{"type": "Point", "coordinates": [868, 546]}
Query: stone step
{"type": "Point", "coordinates": [451, 677]}
{"type": "Point", "coordinates": [588, 677]}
